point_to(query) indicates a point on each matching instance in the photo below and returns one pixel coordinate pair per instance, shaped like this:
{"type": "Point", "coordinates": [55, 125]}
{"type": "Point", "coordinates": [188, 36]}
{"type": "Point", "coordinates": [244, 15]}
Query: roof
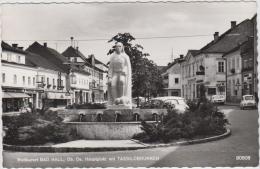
{"type": "Point", "coordinates": [177, 60]}
{"type": "Point", "coordinates": [72, 52]}
{"type": "Point", "coordinates": [161, 68]}
{"type": "Point", "coordinates": [230, 39]}
{"type": "Point", "coordinates": [96, 61]}
{"type": "Point", "coordinates": [20, 64]}
{"type": "Point", "coordinates": [38, 60]}
{"type": "Point", "coordinates": [7, 47]}
{"type": "Point", "coordinates": [193, 52]}
{"type": "Point", "coordinates": [50, 55]}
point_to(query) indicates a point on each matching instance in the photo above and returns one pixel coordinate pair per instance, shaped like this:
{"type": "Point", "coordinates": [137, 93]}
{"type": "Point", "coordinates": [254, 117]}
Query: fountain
{"type": "Point", "coordinates": [119, 120]}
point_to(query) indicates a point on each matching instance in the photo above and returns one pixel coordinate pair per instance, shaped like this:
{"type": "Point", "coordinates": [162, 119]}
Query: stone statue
{"type": "Point", "coordinates": [119, 79]}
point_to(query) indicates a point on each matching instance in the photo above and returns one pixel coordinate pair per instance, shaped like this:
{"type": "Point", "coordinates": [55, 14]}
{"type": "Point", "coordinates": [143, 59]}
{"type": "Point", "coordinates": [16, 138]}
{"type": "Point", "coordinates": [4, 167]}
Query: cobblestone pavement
{"type": "Point", "coordinates": [242, 142]}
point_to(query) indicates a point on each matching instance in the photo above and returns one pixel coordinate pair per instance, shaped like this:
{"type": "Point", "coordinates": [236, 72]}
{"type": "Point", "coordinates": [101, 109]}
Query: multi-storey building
{"type": "Point", "coordinates": [90, 85]}
{"type": "Point", "coordinates": [190, 69]}
{"type": "Point", "coordinates": [247, 54]}
{"type": "Point", "coordinates": [51, 80]}
{"type": "Point", "coordinates": [172, 78]}
{"type": "Point", "coordinates": [255, 61]}
{"type": "Point", "coordinates": [212, 67]}
{"type": "Point", "coordinates": [18, 80]}
{"type": "Point", "coordinates": [241, 67]}
{"type": "Point", "coordinates": [53, 74]}
{"type": "Point", "coordinates": [233, 74]}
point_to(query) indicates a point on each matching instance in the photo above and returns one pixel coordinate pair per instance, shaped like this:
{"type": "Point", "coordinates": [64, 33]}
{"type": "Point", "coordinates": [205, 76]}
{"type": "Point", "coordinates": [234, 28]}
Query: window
{"type": "Point", "coordinates": [176, 80]}
{"type": "Point", "coordinates": [53, 82]}
{"type": "Point", "coordinates": [74, 59]}
{"type": "Point", "coordinates": [250, 62]}
{"type": "Point", "coordinates": [29, 80]}
{"type": "Point", "coordinates": [234, 87]}
{"type": "Point", "coordinates": [18, 59]}
{"type": "Point", "coordinates": [221, 67]}
{"type": "Point", "coordinates": [3, 77]}
{"type": "Point", "coordinates": [238, 63]}
{"type": "Point", "coordinates": [9, 57]}
{"type": "Point", "coordinates": [34, 81]}
{"type": "Point", "coordinates": [211, 91]}
{"type": "Point", "coordinates": [245, 63]}
{"type": "Point", "coordinates": [15, 79]}
{"type": "Point", "coordinates": [233, 63]}
{"type": "Point", "coordinates": [48, 81]}
{"type": "Point", "coordinates": [193, 70]}
{"type": "Point", "coordinates": [42, 79]}
{"type": "Point", "coordinates": [23, 80]}
{"type": "Point", "coordinates": [175, 93]}
{"type": "Point", "coordinates": [229, 64]}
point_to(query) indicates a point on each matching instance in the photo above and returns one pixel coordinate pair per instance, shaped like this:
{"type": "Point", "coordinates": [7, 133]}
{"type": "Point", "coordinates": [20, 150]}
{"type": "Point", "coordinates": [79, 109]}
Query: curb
{"type": "Point", "coordinates": [196, 141]}
{"type": "Point", "coordinates": [7, 147]}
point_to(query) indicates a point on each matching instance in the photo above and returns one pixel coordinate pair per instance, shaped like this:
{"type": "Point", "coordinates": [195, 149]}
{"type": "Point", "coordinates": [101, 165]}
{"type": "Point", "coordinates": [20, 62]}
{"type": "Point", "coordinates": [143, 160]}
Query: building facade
{"type": "Point", "coordinates": [18, 80]}
{"type": "Point", "coordinates": [172, 78]}
{"type": "Point", "coordinates": [89, 77]}
{"type": "Point", "coordinates": [233, 75]}
{"type": "Point", "coordinates": [210, 67]}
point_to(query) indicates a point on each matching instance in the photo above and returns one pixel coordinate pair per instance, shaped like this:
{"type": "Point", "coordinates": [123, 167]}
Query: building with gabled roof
{"type": "Point", "coordinates": [96, 82]}
{"type": "Point", "coordinates": [211, 68]}
{"type": "Point", "coordinates": [53, 75]}
{"type": "Point", "coordinates": [171, 75]}
{"type": "Point", "coordinates": [18, 80]}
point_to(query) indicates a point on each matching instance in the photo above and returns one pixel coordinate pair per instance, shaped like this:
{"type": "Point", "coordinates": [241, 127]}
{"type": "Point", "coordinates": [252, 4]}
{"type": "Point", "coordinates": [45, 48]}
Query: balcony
{"type": "Point", "coordinates": [233, 70]}
{"type": "Point", "coordinates": [200, 73]}
{"type": "Point", "coordinates": [41, 85]}
{"type": "Point", "coordinates": [60, 87]}
{"type": "Point", "coordinates": [49, 86]}
{"type": "Point", "coordinates": [200, 76]}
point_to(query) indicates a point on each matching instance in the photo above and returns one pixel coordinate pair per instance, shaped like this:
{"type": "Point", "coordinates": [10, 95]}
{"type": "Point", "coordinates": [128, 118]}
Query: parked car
{"type": "Point", "coordinates": [247, 101]}
{"type": "Point", "coordinates": [218, 99]}
{"type": "Point", "coordinates": [172, 102]}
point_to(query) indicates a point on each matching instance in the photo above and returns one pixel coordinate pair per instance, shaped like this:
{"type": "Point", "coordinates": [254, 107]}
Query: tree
{"type": "Point", "coordinates": [146, 77]}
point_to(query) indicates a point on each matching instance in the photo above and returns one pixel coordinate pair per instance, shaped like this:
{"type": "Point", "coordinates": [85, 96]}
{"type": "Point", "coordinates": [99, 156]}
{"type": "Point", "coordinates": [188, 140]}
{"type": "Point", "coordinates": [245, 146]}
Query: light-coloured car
{"type": "Point", "coordinates": [177, 103]}
{"type": "Point", "coordinates": [218, 99]}
{"type": "Point", "coordinates": [247, 101]}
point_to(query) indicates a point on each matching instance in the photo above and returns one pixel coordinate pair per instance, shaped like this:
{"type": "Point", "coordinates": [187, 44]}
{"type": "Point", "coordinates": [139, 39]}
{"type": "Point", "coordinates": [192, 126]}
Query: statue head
{"type": "Point", "coordinates": [119, 48]}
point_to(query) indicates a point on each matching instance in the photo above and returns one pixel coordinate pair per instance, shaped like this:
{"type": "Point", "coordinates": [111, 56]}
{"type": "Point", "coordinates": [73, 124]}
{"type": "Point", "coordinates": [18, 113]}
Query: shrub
{"type": "Point", "coordinates": [36, 129]}
{"type": "Point", "coordinates": [201, 119]}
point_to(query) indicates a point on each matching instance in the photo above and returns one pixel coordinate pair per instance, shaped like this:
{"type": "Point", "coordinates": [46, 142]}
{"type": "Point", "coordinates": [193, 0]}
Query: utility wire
{"type": "Point", "coordinates": [106, 39]}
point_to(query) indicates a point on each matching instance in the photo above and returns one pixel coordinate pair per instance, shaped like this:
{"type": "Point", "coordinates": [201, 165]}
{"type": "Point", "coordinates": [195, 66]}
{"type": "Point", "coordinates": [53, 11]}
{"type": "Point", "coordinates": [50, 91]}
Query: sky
{"type": "Point", "coordinates": [189, 25]}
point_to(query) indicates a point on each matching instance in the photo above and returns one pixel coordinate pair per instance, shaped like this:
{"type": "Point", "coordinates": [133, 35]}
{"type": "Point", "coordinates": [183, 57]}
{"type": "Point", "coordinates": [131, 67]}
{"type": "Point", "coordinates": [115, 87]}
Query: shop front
{"type": "Point", "coordinates": [14, 101]}
{"type": "Point", "coordinates": [57, 99]}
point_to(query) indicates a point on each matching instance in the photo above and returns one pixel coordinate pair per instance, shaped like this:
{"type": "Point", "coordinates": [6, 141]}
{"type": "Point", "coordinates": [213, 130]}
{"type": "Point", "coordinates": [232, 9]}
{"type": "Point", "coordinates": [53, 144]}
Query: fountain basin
{"type": "Point", "coordinates": [106, 130]}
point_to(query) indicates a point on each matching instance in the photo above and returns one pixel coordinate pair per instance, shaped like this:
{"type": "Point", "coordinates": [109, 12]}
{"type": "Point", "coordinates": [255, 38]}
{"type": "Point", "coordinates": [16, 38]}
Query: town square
{"type": "Point", "coordinates": [132, 84]}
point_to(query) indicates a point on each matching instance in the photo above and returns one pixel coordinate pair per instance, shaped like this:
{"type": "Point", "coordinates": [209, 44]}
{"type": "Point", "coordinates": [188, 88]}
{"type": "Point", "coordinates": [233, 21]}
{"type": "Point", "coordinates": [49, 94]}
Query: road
{"type": "Point", "coordinates": [242, 142]}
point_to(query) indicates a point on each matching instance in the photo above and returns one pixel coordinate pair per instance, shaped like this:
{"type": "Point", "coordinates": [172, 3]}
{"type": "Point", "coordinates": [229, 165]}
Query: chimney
{"type": "Point", "coordinates": [233, 24]}
{"type": "Point", "coordinates": [216, 35]}
{"type": "Point", "coordinates": [77, 48]}
{"type": "Point", "coordinates": [15, 45]}
{"type": "Point", "coordinates": [45, 44]}
{"type": "Point", "coordinates": [181, 56]}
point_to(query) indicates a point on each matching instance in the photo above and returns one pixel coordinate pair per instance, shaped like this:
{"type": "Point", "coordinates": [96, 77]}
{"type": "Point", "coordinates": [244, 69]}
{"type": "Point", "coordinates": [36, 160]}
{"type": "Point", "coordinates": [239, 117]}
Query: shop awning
{"type": "Point", "coordinates": [7, 95]}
